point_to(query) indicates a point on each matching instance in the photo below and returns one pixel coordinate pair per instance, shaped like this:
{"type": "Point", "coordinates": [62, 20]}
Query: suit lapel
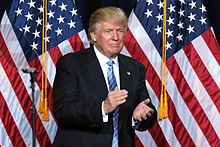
{"type": "Point", "coordinates": [125, 83]}
{"type": "Point", "coordinates": [95, 73]}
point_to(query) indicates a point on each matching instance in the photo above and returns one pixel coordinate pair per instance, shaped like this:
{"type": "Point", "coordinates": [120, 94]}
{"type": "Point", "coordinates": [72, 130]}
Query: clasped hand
{"type": "Point", "coordinates": [142, 111]}
{"type": "Point", "coordinates": [114, 99]}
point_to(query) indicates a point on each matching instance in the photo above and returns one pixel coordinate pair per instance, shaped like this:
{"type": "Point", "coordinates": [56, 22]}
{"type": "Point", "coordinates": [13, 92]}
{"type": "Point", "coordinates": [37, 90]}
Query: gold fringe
{"type": "Point", "coordinates": [45, 115]}
{"type": "Point", "coordinates": [41, 104]}
{"type": "Point", "coordinates": [163, 110]}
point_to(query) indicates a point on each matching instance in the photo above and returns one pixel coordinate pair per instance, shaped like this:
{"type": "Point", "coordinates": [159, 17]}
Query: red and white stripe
{"type": "Point", "coordinates": [15, 91]}
{"type": "Point", "coordinates": [193, 77]}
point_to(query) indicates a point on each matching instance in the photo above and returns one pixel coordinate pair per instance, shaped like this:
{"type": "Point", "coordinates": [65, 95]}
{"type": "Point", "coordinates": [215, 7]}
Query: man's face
{"type": "Point", "coordinates": [109, 38]}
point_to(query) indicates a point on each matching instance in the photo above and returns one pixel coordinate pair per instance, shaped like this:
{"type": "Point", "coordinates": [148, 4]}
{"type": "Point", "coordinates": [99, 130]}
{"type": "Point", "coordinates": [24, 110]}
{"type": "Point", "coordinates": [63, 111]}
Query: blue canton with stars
{"type": "Point", "coordinates": [186, 20]}
{"type": "Point", "coordinates": [26, 20]}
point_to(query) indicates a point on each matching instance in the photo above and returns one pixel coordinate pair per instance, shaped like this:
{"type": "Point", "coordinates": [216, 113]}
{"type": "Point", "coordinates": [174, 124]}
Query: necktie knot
{"type": "Point", "coordinates": [110, 75]}
{"type": "Point", "coordinates": [110, 62]}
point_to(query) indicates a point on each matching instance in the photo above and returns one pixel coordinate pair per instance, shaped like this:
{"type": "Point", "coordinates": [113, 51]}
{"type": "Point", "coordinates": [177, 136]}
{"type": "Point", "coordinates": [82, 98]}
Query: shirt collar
{"type": "Point", "coordinates": [103, 59]}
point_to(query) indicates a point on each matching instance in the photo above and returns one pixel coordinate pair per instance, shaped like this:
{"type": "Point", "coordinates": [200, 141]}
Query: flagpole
{"type": "Point", "coordinates": [32, 71]}
{"type": "Point", "coordinates": [33, 110]}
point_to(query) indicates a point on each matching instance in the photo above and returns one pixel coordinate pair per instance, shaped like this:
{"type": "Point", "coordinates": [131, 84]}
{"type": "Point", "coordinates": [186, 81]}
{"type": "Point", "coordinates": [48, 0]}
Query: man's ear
{"type": "Point", "coordinates": [93, 36]}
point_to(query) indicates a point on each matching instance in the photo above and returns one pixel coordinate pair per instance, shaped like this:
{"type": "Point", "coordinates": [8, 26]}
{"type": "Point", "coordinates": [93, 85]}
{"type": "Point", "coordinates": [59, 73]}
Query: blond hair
{"type": "Point", "coordinates": [106, 14]}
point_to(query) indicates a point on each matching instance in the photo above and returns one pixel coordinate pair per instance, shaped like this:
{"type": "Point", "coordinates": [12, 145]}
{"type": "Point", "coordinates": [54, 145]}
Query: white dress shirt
{"type": "Point", "coordinates": [103, 63]}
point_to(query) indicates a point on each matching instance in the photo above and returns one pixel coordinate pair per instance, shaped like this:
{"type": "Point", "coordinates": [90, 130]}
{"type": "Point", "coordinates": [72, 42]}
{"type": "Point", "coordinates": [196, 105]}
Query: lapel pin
{"type": "Point", "coordinates": [128, 73]}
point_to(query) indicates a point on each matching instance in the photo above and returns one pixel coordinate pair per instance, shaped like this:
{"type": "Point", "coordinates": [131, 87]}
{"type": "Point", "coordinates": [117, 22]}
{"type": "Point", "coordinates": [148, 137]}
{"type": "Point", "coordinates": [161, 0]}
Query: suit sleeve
{"type": "Point", "coordinates": [142, 95]}
{"type": "Point", "coordinates": [69, 108]}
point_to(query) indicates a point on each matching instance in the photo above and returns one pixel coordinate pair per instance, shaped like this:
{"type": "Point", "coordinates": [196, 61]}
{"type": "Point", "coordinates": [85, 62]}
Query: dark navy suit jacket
{"type": "Point", "coordinates": [78, 91]}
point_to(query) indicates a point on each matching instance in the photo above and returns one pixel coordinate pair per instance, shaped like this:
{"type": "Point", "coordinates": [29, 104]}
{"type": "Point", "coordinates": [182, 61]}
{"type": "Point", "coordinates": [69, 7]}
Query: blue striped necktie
{"type": "Point", "coordinates": [112, 84]}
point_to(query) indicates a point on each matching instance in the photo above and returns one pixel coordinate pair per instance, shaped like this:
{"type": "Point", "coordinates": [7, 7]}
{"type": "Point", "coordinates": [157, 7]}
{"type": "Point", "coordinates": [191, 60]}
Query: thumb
{"type": "Point", "coordinates": [147, 101]}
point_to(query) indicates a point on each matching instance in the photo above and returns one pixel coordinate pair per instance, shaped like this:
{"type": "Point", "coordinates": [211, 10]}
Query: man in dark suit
{"type": "Point", "coordinates": [97, 104]}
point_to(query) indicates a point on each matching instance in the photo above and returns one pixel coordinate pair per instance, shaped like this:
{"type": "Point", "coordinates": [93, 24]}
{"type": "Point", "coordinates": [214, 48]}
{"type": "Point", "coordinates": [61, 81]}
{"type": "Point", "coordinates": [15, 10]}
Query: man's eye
{"type": "Point", "coordinates": [108, 31]}
{"type": "Point", "coordinates": [121, 31]}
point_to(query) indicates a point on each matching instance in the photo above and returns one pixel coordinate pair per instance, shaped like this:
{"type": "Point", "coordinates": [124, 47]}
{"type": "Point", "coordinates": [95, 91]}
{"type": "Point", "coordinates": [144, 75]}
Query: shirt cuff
{"type": "Point", "coordinates": [104, 116]}
{"type": "Point", "coordinates": [133, 122]}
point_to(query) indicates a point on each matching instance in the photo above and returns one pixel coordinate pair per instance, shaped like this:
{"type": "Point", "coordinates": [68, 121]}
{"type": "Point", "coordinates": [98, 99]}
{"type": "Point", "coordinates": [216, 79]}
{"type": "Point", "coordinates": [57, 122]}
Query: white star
{"type": "Point", "coordinates": [36, 34]}
{"type": "Point", "coordinates": [170, 20]}
{"type": "Point", "coordinates": [182, 2]}
{"type": "Point", "coordinates": [171, 8]}
{"type": "Point", "coordinates": [50, 14]}
{"type": "Point", "coordinates": [158, 29]}
{"type": "Point", "coordinates": [26, 29]}
{"type": "Point", "coordinates": [193, 4]}
{"type": "Point", "coordinates": [40, 9]}
{"type": "Point", "coordinates": [38, 21]}
{"type": "Point", "coordinates": [74, 12]}
{"type": "Point", "coordinates": [148, 13]}
{"type": "Point", "coordinates": [31, 4]}
{"type": "Point", "coordinates": [149, 2]}
{"type": "Point", "coordinates": [72, 24]}
{"type": "Point", "coordinates": [168, 45]}
{"type": "Point", "coordinates": [192, 16]}
{"type": "Point", "coordinates": [61, 19]}
{"type": "Point", "coordinates": [181, 12]}
{"type": "Point", "coordinates": [47, 39]}
{"type": "Point", "coordinates": [29, 16]}
{"type": "Point", "coordinates": [179, 37]}
{"type": "Point", "coordinates": [169, 33]}
{"type": "Point", "coordinates": [34, 46]}
{"type": "Point", "coordinates": [63, 7]}
{"type": "Point", "coordinates": [48, 26]}
{"type": "Point", "coordinates": [18, 11]}
{"type": "Point", "coordinates": [159, 17]}
{"type": "Point", "coordinates": [59, 31]}
{"type": "Point", "coordinates": [203, 9]}
{"type": "Point", "coordinates": [190, 29]}
{"type": "Point", "coordinates": [21, 1]}
{"type": "Point", "coordinates": [180, 25]}
{"type": "Point", "coordinates": [160, 5]}
{"type": "Point", "coordinates": [202, 20]}
{"type": "Point", "coordinates": [53, 2]}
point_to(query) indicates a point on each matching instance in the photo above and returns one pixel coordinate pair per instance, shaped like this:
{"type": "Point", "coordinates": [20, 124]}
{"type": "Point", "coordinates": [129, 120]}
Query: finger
{"type": "Point", "coordinates": [116, 88]}
{"type": "Point", "coordinates": [119, 96]}
{"type": "Point", "coordinates": [121, 99]}
{"type": "Point", "coordinates": [118, 92]}
{"type": "Point", "coordinates": [138, 118]}
{"type": "Point", "coordinates": [144, 117]}
{"type": "Point", "coordinates": [121, 102]}
{"type": "Point", "coordinates": [147, 101]}
{"type": "Point", "coordinates": [150, 112]}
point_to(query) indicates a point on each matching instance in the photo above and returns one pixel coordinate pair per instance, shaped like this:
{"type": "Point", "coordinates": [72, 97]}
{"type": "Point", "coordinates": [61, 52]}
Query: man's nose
{"type": "Point", "coordinates": [115, 35]}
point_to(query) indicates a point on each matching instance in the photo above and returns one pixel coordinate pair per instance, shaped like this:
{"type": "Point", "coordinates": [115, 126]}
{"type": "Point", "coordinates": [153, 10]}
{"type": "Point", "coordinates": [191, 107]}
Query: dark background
{"type": "Point", "coordinates": [86, 7]}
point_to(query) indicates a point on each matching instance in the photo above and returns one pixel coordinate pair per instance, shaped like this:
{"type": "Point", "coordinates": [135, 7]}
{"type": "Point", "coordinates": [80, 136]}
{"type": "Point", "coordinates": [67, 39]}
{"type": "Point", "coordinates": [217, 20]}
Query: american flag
{"type": "Point", "coordinates": [20, 47]}
{"type": "Point", "coordinates": [193, 58]}
{"type": "Point", "coordinates": [193, 71]}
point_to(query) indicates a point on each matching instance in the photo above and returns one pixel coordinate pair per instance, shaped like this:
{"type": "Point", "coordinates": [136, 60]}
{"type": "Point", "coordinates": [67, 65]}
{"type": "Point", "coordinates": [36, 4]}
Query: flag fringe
{"type": "Point", "coordinates": [41, 104]}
